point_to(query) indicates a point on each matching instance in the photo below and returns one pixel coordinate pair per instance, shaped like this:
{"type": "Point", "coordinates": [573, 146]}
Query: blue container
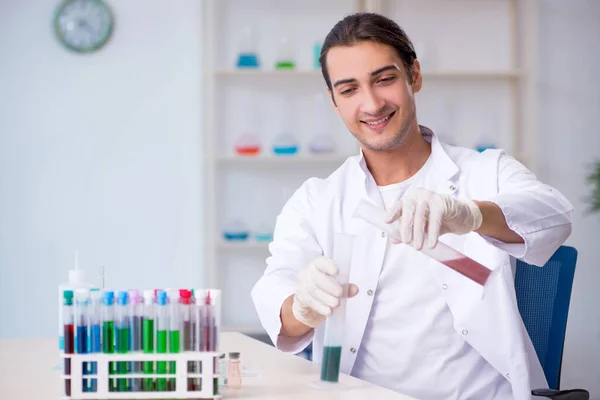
{"type": "Point", "coordinates": [285, 150]}
{"type": "Point", "coordinates": [247, 60]}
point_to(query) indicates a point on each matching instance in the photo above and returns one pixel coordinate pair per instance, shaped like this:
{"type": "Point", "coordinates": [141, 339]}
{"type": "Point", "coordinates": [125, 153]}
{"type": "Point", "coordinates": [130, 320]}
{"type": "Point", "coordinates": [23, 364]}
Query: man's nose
{"type": "Point", "coordinates": [372, 103]}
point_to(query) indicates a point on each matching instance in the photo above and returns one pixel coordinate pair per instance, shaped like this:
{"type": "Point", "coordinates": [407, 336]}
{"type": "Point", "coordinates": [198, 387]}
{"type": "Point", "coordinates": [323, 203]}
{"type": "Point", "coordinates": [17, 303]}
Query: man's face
{"type": "Point", "coordinates": [372, 93]}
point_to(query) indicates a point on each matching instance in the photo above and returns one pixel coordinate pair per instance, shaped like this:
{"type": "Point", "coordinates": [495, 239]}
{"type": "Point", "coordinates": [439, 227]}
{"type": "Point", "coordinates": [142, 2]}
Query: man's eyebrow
{"type": "Point", "coordinates": [342, 81]}
{"type": "Point", "coordinates": [374, 73]}
{"type": "Point", "coordinates": [383, 69]}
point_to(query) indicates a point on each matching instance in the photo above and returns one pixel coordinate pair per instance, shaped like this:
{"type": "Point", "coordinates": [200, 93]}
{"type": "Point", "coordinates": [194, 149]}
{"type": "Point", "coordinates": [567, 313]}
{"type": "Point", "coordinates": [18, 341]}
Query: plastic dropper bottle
{"type": "Point", "coordinates": [76, 281]}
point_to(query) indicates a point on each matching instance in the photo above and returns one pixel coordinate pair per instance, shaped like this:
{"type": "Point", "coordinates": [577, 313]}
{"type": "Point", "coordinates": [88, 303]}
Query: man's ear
{"type": "Point", "coordinates": [417, 78]}
{"type": "Point", "coordinates": [335, 107]}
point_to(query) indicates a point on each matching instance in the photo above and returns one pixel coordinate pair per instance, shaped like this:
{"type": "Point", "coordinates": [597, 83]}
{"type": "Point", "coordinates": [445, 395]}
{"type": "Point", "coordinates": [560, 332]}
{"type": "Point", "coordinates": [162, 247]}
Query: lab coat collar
{"type": "Point", "coordinates": [440, 160]}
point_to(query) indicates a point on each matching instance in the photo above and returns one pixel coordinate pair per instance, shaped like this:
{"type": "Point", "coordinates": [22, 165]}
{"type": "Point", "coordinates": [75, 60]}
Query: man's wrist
{"type": "Point", "coordinates": [290, 325]}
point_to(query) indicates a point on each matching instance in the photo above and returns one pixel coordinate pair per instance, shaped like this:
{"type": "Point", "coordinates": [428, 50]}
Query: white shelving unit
{"type": "Point", "coordinates": [477, 59]}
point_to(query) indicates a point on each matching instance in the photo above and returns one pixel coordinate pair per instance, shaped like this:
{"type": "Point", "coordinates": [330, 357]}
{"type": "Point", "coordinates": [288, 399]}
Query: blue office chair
{"type": "Point", "coordinates": [543, 296]}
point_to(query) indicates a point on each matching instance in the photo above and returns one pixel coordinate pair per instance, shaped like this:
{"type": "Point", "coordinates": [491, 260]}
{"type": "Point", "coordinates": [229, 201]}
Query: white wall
{"type": "Point", "coordinates": [99, 153]}
{"type": "Point", "coordinates": [568, 140]}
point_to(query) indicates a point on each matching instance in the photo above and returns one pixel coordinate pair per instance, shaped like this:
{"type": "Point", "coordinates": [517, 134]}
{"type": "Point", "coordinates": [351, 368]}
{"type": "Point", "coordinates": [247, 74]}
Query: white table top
{"type": "Point", "coordinates": [32, 376]}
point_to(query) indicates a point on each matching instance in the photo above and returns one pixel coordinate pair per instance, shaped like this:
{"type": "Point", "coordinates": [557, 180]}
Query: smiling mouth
{"type": "Point", "coordinates": [379, 121]}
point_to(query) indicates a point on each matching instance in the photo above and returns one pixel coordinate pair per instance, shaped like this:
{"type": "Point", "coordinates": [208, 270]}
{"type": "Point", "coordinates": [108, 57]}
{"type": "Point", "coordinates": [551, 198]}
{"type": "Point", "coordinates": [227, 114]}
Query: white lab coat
{"type": "Point", "coordinates": [488, 320]}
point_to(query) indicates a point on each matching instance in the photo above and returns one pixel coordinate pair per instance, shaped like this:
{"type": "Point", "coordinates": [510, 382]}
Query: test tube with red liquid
{"type": "Point", "coordinates": [69, 335]}
{"type": "Point", "coordinates": [441, 252]}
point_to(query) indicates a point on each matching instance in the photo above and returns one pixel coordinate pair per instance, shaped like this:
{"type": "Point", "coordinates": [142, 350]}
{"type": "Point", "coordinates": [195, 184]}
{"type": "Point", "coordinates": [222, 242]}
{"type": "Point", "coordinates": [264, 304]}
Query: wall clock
{"type": "Point", "coordinates": [83, 26]}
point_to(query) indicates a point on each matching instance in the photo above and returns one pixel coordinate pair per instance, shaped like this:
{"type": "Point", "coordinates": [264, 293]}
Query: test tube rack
{"type": "Point", "coordinates": [208, 388]}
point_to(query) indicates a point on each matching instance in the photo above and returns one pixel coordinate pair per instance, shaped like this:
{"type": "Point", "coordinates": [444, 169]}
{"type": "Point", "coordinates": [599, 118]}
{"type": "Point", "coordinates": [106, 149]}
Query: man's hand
{"type": "Point", "coordinates": [421, 211]}
{"type": "Point", "coordinates": [317, 292]}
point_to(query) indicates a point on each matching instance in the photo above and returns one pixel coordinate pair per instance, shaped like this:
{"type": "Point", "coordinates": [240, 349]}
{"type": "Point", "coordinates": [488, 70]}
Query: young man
{"type": "Point", "coordinates": [414, 326]}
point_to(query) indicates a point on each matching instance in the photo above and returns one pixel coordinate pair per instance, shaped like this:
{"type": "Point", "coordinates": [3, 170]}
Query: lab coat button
{"type": "Point", "coordinates": [444, 286]}
{"type": "Point", "coordinates": [452, 187]}
{"type": "Point", "coordinates": [382, 234]}
{"type": "Point", "coordinates": [352, 350]}
{"type": "Point", "coordinates": [465, 332]}
{"type": "Point", "coordinates": [370, 292]}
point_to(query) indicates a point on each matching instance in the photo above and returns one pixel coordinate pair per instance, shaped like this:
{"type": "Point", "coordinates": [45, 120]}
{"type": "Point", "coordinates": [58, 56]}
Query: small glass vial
{"type": "Point", "coordinates": [222, 371]}
{"type": "Point", "coordinates": [234, 371]}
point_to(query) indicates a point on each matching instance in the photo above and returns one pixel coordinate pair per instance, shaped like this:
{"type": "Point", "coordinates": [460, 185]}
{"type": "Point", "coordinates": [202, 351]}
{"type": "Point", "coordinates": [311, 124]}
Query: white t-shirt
{"type": "Point", "coordinates": [409, 344]}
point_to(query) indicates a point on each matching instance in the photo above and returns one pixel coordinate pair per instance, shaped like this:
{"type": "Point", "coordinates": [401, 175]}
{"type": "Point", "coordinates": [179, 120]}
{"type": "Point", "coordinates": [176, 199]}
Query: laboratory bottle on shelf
{"type": "Point", "coordinates": [484, 143]}
{"type": "Point", "coordinates": [235, 230]}
{"type": "Point", "coordinates": [76, 281]}
{"type": "Point", "coordinates": [263, 233]}
{"type": "Point", "coordinates": [285, 55]}
{"type": "Point", "coordinates": [322, 142]}
{"type": "Point", "coordinates": [247, 53]}
{"type": "Point", "coordinates": [285, 144]}
{"type": "Point", "coordinates": [234, 371]}
{"type": "Point", "coordinates": [316, 54]}
{"type": "Point", "coordinates": [247, 143]}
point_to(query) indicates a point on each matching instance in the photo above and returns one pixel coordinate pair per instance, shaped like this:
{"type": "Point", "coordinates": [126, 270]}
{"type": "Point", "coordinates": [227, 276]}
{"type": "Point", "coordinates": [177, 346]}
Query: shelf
{"type": "Point", "coordinates": [439, 74]}
{"type": "Point", "coordinates": [295, 160]}
{"type": "Point", "coordinates": [268, 72]}
{"type": "Point", "coordinates": [242, 245]}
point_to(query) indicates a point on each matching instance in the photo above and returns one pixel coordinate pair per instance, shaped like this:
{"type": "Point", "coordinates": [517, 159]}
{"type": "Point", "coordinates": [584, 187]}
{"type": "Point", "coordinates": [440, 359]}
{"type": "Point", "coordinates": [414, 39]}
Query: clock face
{"type": "Point", "coordinates": [83, 25]}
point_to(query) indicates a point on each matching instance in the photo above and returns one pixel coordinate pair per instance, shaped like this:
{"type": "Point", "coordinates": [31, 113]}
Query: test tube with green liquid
{"type": "Point", "coordinates": [122, 337]}
{"type": "Point", "coordinates": [108, 333]}
{"type": "Point", "coordinates": [148, 338]}
{"type": "Point", "coordinates": [335, 323]}
{"type": "Point", "coordinates": [162, 327]}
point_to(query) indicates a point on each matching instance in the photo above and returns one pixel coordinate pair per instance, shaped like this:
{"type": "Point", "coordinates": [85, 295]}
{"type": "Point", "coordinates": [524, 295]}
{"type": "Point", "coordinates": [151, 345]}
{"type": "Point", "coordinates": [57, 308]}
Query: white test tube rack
{"type": "Point", "coordinates": [208, 359]}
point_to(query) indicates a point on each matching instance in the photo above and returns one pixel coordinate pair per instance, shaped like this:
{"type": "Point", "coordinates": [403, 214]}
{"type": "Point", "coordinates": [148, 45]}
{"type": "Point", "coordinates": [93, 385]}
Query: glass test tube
{"type": "Point", "coordinates": [95, 333]}
{"type": "Point", "coordinates": [82, 298]}
{"type": "Point", "coordinates": [108, 333]}
{"type": "Point", "coordinates": [68, 335]}
{"type": "Point", "coordinates": [148, 338]}
{"type": "Point", "coordinates": [187, 341]}
{"type": "Point", "coordinates": [198, 343]}
{"type": "Point", "coordinates": [174, 333]}
{"type": "Point", "coordinates": [335, 323]}
{"type": "Point", "coordinates": [122, 333]}
{"type": "Point", "coordinates": [162, 327]}
{"type": "Point", "coordinates": [215, 309]}
{"type": "Point", "coordinates": [441, 252]}
{"type": "Point", "coordinates": [135, 338]}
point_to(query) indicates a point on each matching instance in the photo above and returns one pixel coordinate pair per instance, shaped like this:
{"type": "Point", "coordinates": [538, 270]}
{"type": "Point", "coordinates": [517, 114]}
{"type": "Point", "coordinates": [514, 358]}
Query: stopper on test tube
{"type": "Point", "coordinates": [122, 298]}
{"type": "Point", "coordinates": [149, 296]}
{"type": "Point", "coordinates": [186, 296]}
{"type": "Point", "coordinates": [68, 297]}
{"type": "Point", "coordinates": [161, 297]}
{"type": "Point", "coordinates": [109, 297]}
{"type": "Point", "coordinates": [134, 296]}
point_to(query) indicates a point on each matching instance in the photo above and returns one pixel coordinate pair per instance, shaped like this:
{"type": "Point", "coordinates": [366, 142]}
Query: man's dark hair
{"type": "Point", "coordinates": [368, 26]}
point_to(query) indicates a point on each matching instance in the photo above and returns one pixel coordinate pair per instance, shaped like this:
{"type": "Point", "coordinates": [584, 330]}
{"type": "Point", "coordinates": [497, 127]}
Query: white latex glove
{"type": "Point", "coordinates": [317, 292]}
{"type": "Point", "coordinates": [424, 212]}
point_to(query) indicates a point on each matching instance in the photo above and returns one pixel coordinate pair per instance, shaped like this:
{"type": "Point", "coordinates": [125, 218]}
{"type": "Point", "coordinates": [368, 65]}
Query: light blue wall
{"type": "Point", "coordinates": [99, 153]}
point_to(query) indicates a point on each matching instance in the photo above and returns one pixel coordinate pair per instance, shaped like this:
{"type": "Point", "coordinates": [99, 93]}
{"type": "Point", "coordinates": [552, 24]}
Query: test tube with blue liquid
{"type": "Point", "coordinates": [82, 297]}
{"type": "Point", "coordinates": [335, 323]}
{"type": "Point", "coordinates": [95, 333]}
